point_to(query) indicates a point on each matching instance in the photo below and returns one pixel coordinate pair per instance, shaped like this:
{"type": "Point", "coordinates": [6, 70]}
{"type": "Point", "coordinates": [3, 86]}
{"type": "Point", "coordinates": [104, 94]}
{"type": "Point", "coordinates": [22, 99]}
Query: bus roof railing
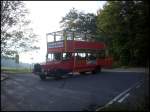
{"type": "Point", "coordinates": [83, 35]}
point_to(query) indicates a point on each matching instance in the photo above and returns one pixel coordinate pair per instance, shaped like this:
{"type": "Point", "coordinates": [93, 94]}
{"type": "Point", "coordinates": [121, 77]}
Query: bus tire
{"type": "Point", "coordinates": [97, 70]}
{"type": "Point", "coordinates": [82, 72]}
{"type": "Point", "coordinates": [100, 69]}
{"type": "Point", "coordinates": [42, 77]}
{"type": "Point", "coordinates": [94, 72]}
{"type": "Point", "coordinates": [57, 78]}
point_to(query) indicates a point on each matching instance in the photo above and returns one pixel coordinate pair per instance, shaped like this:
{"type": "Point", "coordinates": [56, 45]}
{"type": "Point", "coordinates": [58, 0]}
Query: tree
{"type": "Point", "coordinates": [15, 35]}
{"type": "Point", "coordinates": [68, 22]}
{"type": "Point", "coordinates": [79, 21]}
{"type": "Point", "coordinates": [125, 26]}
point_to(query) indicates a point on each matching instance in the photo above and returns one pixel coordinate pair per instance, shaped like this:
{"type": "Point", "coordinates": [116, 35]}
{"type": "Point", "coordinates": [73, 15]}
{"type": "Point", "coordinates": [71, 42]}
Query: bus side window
{"type": "Point", "coordinates": [57, 56]}
{"type": "Point", "coordinates": [78, 56]}
{"type": "Point", "coordinates": [81, 56]}
{"type": "Point", "coordinates": [67, 56]}
{"type": "Point", "coordinates": [64, 56]}
{"type": "Point", "coordinates": [92, 57]}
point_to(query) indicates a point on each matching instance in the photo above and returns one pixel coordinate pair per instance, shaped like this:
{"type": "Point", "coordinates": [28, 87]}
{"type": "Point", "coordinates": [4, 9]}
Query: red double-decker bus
{"type": "Point", "coordinates": [70, 52]}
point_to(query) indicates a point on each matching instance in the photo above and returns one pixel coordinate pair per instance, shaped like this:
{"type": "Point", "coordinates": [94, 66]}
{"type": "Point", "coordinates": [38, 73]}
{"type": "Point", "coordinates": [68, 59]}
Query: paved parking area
{"type": "Point", "coordinates": [27, 92]}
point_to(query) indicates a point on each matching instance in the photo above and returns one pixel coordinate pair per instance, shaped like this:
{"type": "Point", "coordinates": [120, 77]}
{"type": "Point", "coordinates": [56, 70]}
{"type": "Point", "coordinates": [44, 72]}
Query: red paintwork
{"type": "Point", "coordinates": [88, 45]}
{"type": "Point", "coordinates": [65, 65]}
{"type": "Point", "coordinates": [71, 46]}
{"type": "Point", "coordinates": [78, 65]}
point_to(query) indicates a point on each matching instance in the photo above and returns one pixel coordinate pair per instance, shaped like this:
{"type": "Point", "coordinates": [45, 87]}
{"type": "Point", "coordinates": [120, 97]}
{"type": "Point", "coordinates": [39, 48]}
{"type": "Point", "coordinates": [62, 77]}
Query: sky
{"type": "Point", "coordinates": [45, 17]}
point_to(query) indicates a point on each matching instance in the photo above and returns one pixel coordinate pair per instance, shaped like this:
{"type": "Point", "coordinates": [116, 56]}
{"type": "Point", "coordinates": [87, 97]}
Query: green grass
{"type": "Point", "coordinates": [15, 70]}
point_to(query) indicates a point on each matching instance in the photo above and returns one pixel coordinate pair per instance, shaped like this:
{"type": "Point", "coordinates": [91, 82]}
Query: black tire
{"type": "Point", "coordinates": [82, 72]}
{"type": "Point", "coordinates": [43, 77]}
{"type": "Point", "coordinates": [94, 72]}
{"type": "Point", "coordinates": [97, 70]}
{"type": "Point", "coordinates": [57, 78]}
{"type": "Point", "coordinates": [37, 68]}
{"type": "Point", "coordinates": [100, 69]}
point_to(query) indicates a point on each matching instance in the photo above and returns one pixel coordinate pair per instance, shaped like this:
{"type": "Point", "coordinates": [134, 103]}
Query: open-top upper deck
{"type": "Point", "coordinates": [64, 41]}
{"type": "Point", "coordinates": [73, 46]}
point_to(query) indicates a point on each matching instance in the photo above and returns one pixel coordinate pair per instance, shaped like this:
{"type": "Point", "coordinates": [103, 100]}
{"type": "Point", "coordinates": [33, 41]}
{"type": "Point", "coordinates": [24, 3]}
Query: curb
{"type": "Point", "coordinates": [122, 71]}
{"type": "Point", "coordinates": [144, 70]}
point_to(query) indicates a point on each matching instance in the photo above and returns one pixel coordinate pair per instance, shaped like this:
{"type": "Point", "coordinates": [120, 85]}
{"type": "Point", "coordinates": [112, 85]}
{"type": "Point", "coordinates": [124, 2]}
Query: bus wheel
{"type": "Point", "coordinates": [100, 69]}
{"type": "Point", "coordinates": [43, 77]}
{"type": "Point", "coordinates": [97, 70]}
{"type": "Point", "coordinates": [57, 78]}
{"type": "Point", "coordinates": [94, 71]}
{"type": "Point", "coordinates": [82, 72]}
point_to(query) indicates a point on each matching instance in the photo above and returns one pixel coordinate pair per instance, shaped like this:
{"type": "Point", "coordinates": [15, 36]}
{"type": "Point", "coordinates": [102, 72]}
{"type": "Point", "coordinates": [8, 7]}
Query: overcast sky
{"type": "Point", "coordinates": [45, 17]}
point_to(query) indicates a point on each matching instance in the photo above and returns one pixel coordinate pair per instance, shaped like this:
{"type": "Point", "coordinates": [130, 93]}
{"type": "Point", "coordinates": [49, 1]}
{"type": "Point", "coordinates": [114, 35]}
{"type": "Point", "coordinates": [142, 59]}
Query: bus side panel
{"type": "Point", "coordinates": [105, 63]}
{"type": "Point", "coordinates": [83, 66]}
{"type": "Point", "coordinates": [66, 65]}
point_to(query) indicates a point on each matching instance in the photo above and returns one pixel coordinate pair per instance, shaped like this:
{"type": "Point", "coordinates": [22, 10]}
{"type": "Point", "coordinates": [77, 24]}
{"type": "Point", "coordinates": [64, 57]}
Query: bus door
{"type": "Point", "coordinates": [79, 62]}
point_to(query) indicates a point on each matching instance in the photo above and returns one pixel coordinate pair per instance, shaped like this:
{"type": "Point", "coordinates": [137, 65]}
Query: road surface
{"type": "Point", "coordinates": [27, 92]}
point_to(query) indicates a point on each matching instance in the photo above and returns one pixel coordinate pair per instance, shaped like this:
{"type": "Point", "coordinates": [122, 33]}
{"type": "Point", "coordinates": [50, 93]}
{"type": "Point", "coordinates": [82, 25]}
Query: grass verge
{"type": "Point", "coordinates": [15, 70]}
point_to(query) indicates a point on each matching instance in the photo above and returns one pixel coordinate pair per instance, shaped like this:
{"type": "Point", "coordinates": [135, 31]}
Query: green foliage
{"type": "Point", "coordinates": [15, 35]}
{"type": "Point", "coordinates": [68, 22]}
{"type": "Point", "coordinates": [124, 25]}
{"type": "Point", "coordinates": [79, 21]}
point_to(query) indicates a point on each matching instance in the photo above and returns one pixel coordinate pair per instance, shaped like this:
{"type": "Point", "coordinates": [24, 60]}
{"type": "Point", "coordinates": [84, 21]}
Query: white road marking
{"type": "Point", "coordinates": [138, 86]}
{"type": "Point", "coordinates": [125, 96]}
{"type": "Point", "coordinates": [118, 96]}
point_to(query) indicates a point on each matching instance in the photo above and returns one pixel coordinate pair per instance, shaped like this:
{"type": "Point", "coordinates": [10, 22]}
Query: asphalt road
{"type": "Point", "coordinates": [27, 92]}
